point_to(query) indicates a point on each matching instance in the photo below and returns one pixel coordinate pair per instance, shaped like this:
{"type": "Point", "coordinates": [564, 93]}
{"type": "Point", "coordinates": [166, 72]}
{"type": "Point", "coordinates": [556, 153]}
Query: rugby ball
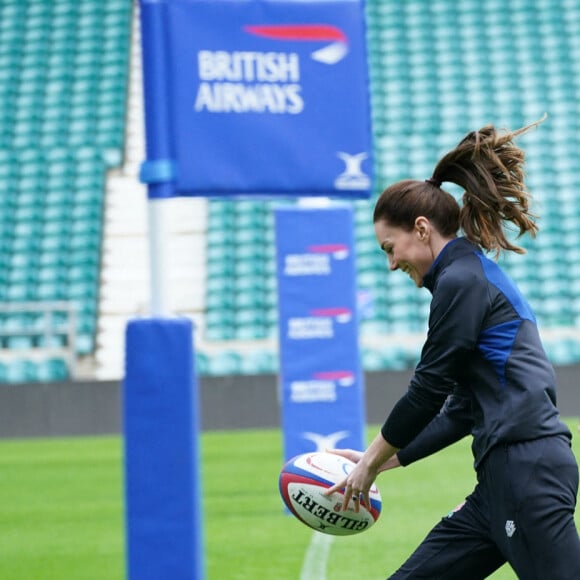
{"type": "Point", "coordinates": [303, 481]}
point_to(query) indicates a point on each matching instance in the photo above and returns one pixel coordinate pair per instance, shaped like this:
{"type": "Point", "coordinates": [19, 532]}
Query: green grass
{"type": "Point", "coordinates": [61, 511]}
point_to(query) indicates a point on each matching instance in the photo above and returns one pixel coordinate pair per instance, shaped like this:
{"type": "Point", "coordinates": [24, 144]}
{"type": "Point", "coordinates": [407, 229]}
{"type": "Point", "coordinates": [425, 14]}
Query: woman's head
{"type": "Point", "coordinates": [412, 250]}
{"type": "Point", "coordinates": [489, 168]}
{"type": "Point", "coordinates": [402, 203]}
{"type": "Point", "coordinates": [413, 221]}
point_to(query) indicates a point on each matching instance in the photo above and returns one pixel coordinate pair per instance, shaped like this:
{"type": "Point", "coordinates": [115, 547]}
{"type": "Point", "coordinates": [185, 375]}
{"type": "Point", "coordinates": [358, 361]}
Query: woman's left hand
{"type": "Point", "coordinates": [359, 481]}
{"type": "Point", "coordinates": [356, 485]}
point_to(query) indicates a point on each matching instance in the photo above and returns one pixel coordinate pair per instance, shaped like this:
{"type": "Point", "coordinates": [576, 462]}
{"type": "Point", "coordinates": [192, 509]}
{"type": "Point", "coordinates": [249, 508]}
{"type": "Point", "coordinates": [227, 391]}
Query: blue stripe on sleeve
{"type": "Point", "coordinates": [496, 343]}
{"type": "Point", "coordinates": [496, 277]}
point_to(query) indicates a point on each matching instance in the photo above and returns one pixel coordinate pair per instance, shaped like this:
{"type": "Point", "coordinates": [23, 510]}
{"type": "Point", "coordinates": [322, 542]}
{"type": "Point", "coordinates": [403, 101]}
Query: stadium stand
{"type": "Point", "coordinates": [63, 77]}
{"type": "Point", "coordinates": [73, 219]}
{"type": "Point", "coordinates": [125, 279]}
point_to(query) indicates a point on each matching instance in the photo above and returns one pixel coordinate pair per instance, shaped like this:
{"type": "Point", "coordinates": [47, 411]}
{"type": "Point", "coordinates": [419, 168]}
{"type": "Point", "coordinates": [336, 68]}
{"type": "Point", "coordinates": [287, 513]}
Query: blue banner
{"type": "Point", "coordinates": [321, 379]}
{"type": "Point", "coordinates": [263, 97]}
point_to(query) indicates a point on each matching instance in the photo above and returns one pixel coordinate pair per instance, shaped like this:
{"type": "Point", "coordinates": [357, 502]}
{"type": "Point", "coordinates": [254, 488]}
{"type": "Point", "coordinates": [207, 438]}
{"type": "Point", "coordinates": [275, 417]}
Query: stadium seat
{"type": "Point", "coordinates": [21, 371]}
{"type": "Point", "coordinates": [224, 363]}
{"type": "Point", "coordinates": [259, 362]}
{"type": "Point", "coordinates": [54, 369]}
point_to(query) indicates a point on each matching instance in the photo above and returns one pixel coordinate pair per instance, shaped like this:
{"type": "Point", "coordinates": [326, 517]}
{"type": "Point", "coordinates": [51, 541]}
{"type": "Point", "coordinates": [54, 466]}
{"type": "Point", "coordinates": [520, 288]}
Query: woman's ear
{"type": "Point", "coordinates": [422, 227]}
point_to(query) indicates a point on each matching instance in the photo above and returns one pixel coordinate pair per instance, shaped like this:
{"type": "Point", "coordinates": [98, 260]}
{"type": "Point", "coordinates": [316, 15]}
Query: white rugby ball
{"type": "Point", "coordinates": [303, 481]}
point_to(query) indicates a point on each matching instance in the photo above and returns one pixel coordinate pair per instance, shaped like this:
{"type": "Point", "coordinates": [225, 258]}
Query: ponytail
{"type": "Point", "coordinates": [490, 169]}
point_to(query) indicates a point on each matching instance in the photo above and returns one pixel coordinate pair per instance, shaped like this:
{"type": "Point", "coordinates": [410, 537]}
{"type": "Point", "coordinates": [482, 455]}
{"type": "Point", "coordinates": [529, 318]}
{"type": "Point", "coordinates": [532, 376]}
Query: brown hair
{"type": "Point", "coordinates": [490, 169]}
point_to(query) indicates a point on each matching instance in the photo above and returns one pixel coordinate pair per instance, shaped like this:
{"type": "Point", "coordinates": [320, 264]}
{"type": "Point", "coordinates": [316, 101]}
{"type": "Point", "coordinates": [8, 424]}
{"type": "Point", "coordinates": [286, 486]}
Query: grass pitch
{"type": "Point", "coordinates": [61, 511]}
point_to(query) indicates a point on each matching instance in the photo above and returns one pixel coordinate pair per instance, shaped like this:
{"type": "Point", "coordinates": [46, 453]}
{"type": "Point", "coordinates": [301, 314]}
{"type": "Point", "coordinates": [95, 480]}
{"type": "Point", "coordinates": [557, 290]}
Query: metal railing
{"type": "Point", "coordinates": [53, 321]}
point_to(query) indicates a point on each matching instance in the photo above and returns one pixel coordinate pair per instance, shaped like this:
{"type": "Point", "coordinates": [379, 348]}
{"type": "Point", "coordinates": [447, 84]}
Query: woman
{"type": "Point", "coordinates": [482, 371]}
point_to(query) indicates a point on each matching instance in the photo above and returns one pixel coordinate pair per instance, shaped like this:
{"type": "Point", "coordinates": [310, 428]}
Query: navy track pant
{"type": "Point", "coordinates": [521, 512]}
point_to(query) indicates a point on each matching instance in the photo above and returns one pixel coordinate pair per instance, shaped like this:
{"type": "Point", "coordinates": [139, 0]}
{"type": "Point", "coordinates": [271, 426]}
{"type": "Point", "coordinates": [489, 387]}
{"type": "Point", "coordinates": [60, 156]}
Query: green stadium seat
{"type": "Point", "coordinates": [201, 362]}
{"type": "Point", "coordinates": [85, 343]}
{"type": "Point", "coordinates": [251, 332]}
{"type": "Point", "coordinates": [219, 324]}
{"type": "Point", "coordinates": [248, 318]}
{"type": "Point", "coordinates": [50, 370]}
{"type": "Point", "coordinates": [223, 268]}
{"type": "Point", "coordinates": [224, 363]}
{"type": "Point", "coordinates": [258, 362]}
{"type": "Point", "coordinates": [21, 342]}
{"type": "Point", "coordinates": [219, 301]}
{"type": "Point", "coordinates": [563, 352]}
{"type": "Point", "coordinates": [219, 332]}
{"type": "Point", "coordinates": [372, 360]}
{"type": "Point", "coordinates": [21, 371]}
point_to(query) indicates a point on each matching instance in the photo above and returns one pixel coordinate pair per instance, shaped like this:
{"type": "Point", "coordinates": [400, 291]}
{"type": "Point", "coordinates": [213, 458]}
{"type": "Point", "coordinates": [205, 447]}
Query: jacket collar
{"type": "Point", "coordinates": [452, 250]}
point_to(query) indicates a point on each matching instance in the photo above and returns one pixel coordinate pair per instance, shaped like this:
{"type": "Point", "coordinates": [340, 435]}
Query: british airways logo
{"type": "Point", "coordinates": [342, 378]}
{"type": "Point", "coordinates": [321, 387]}
{"type": "Point", "coordinates": [254, 81]}
{"type": "Point", "coordinates": [342, 315]}
{"type": "Point", "coordinates": [329, 54]}
{"type": "Point", "coordinates": [315, 261]}
{"type": "Point", "coordinates": [337, 251]}
{"type": "Point", "coordinates": [319, 324]}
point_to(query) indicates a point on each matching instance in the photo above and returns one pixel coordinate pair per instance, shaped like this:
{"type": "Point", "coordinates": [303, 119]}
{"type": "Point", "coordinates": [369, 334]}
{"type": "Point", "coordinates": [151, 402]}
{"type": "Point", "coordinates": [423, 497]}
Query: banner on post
{"type": "Point", "coordinates": [267, 97]}
{"type": "Point", "coordinates": [321, 380]}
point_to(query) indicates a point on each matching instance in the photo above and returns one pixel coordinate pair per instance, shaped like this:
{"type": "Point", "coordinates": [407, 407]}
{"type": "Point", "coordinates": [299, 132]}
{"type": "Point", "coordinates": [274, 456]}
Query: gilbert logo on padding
{"type": "Point", "coordinates": [330, 54]}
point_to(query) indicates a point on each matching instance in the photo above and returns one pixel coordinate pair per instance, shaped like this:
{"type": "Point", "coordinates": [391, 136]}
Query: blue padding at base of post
{"type": "Point", "coordinates": [158, 171]}
{"type": "Point", "coordinates": [162, 484]}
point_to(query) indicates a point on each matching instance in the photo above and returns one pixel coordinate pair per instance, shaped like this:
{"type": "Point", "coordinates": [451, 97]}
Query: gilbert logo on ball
{"type": "Point", "coordinates": [303, 482]}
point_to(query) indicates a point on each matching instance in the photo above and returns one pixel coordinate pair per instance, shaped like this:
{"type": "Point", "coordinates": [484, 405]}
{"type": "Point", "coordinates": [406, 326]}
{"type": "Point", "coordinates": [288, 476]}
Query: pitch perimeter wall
{"type": "Point", "coordinates": [231, 402]}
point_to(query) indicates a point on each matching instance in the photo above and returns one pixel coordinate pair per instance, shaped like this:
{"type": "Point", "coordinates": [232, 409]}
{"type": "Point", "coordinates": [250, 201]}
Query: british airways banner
{"type": "Point", "coordinates": [261, 96]}
{"type": "Point", "coordinates": [321, 380]}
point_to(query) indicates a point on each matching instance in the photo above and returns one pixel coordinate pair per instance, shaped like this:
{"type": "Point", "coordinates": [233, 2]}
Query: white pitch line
{"type": "Point", "coordinates": [314, 565]}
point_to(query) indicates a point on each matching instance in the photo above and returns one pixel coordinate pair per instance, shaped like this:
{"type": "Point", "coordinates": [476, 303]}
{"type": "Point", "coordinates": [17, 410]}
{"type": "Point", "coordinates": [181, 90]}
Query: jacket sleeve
{"type": "Point", "coordinates": [454, 422]}
{"type": "Point", "coordinates": [459, 305]}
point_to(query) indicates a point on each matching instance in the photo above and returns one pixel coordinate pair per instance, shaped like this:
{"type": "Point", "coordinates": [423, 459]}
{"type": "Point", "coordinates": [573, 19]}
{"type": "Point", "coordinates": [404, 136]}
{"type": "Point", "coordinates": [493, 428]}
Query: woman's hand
{"type": "Point", "coordinates": [350, 454]}
{"type": "Point", "coordinates": [356, 485]}
{"type": "Point", "coordinates": [355, 457]}
{"type": "Point", "coordinates": [378, 457]}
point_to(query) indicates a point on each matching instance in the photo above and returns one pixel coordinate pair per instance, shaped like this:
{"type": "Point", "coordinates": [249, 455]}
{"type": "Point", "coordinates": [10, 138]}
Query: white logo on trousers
{"type": "Point", "coordinates": [510, 528]}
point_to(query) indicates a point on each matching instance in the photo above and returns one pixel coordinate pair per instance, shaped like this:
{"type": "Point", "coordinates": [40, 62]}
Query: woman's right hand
{"type": "Point", "coordinates": [350, 454]}
{"type": "Point", "coordinates": [355, 456]}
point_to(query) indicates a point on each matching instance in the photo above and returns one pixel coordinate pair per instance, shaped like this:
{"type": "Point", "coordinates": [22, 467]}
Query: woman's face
{"type": "Point", "coordinates": [407, 251]}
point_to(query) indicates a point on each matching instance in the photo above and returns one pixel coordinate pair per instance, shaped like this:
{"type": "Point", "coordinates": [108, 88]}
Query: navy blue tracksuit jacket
{"type": "Point", "coordinates": [484, 349]}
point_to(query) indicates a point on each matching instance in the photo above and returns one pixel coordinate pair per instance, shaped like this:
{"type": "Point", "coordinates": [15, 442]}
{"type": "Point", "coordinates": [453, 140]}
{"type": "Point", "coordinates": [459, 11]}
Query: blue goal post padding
{"type": "Point", "coordinates": [256, 97]}
{"type": "Point", "coordinates": [162, 485]}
